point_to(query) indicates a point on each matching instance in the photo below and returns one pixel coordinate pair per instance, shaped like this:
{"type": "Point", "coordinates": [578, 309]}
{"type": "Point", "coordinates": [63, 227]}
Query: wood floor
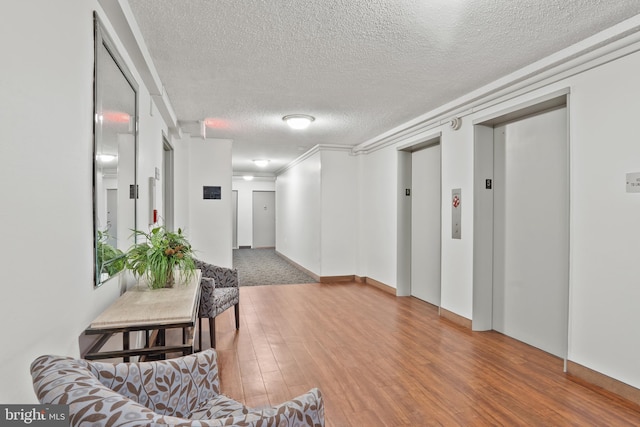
{"type": "Point", "coordinates": [386, 361]}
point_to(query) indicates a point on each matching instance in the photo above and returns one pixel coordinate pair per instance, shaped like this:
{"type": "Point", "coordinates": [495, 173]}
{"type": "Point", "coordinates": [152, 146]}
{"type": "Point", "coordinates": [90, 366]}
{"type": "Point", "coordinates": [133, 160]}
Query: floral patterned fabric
{"type": "Point", "coordinates": [224, 277]}
{"type": "Point", "coordinates": [219, 289]}
{"type": "Point", "coordinates": [224, 298]}
{"type": "Point", "coordinates": [207, 290]}
{"type": "Point", "coordinates": [176, 392]}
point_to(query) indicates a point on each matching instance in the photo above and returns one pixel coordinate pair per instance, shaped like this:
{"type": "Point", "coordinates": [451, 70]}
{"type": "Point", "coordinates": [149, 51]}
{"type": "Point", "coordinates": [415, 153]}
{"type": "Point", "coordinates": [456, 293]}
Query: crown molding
{"type": "Point", "coordinates": [313, 150]}
{"type": "Point", "coordinates": [606, 46]}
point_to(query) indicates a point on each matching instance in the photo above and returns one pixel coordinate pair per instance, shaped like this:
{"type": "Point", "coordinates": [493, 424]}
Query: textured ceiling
{"type": "Point", "coordinates": [360, 67]}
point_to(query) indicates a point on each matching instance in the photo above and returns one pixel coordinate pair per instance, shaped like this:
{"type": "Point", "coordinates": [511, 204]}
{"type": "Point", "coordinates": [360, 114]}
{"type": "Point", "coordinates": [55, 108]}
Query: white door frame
{"type": "Point", "coordinates": [483, 200]}
{"type": "Point", "coordinates": [403, 272]}
{"type": "Point", "coordinates": [168, 182]}
{"type": "Point", "coordinates": [234, 231]}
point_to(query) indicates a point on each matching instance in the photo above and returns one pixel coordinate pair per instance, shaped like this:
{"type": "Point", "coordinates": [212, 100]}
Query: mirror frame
{"type": "Point", "coordinates": [102, 40]}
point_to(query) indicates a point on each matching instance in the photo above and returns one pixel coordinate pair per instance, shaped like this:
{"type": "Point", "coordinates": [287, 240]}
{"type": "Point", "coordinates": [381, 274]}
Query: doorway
{"type": "Point", "coordinates": [531, 237]}
{"type": "Point", "coordinates": [167, 187]}
{"type": "Point", "coordinates": [521, 226]}
{"type": "Point", "coordinates": [420, 219]}
{"type": "Point", "coordinates": [264, 219]}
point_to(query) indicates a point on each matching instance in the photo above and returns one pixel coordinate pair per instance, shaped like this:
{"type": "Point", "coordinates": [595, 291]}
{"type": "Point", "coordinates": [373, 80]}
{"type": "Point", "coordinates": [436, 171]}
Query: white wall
{"type": "Point", "coordinates": [378, 234]}
{"type": "Point", "coordinates": [210, 221]}
{"type": "Point", "coordinates": [150, 157]}
{"type": "Point", "coordinates": [316, 212]}
{"type": "Point", "coordinates": [245, 191]}
{"type": "Point", "coordinates": [181, 169]}
{"type": "Point", "coordinates": [605, 231]}
{"type": "Point", "coordinates": [46, 167]}
{"type": "Point", "coordinates": [457, 254]}
{"type": "Point", "coordinates": [298, 213]}
{"type": "Point", "coordinates": [339, 208]}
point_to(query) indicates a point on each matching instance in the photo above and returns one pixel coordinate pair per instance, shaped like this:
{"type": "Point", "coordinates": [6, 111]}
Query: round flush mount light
{"type": "Point", "coordinates": [261, 163]}
{"type": "Point", "coordinates": [106, 158]}
{"type": "Point", "coordinates": [298, 121]}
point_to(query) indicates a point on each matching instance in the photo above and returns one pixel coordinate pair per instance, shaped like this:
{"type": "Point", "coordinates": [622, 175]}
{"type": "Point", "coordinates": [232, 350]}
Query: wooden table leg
{"type": "Point", "coordinates": [125, 344]}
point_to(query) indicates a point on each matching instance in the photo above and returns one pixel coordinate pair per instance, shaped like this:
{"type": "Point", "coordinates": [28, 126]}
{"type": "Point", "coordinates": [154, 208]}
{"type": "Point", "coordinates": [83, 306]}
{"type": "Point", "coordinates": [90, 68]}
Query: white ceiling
{"type": "Point", "coordinates": [360, 67]}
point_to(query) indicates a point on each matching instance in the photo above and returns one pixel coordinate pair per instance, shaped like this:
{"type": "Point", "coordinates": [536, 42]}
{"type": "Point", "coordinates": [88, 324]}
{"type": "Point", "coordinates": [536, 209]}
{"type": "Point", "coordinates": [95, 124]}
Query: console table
{"type": "Point", "coordinates": [152, 311]}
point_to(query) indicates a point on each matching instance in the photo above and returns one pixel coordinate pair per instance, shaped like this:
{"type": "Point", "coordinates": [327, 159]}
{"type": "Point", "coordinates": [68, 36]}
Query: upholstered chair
{"type": "Point", "coordinates": [219, 292]}
{"type": "Point", "coordinates": [184, 391]}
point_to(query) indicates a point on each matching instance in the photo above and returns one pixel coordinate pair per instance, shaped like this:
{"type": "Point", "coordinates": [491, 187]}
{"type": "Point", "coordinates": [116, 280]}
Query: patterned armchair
{"type": "Point", "coordinates": [219, 292]}
{"type": "Point", "coordinates": [182, 391]}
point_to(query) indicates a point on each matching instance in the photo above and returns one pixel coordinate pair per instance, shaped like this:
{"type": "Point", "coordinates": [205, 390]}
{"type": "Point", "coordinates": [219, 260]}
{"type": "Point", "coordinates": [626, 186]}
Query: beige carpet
{"type": "Point", "coordinates": [258, 267]}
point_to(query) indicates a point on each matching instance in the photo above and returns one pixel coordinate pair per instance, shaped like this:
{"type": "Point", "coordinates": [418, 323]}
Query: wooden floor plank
{"type": "Point", "coordinates": [382, 360]}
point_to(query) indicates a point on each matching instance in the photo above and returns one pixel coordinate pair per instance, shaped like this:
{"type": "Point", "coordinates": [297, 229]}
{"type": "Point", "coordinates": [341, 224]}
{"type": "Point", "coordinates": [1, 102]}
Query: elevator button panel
{"type": "Point", "coordinates": [456, 213]}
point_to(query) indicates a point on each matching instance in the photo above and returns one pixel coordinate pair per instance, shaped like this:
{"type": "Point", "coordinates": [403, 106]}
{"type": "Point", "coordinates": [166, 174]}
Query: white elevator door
{"type": "Point", "coordinates": [531, 231]}
{"type": "Point", "coordinates": [425, 224]}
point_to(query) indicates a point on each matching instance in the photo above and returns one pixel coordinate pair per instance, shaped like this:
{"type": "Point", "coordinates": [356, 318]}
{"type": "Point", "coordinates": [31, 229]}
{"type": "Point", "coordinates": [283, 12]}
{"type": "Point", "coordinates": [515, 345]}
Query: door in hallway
{"type": "Point", "coordinates": [426, 224]}
{"type": "Point", "coordinates": [264, 219]}
{"type": "Point", "coordinates": [531, 231]}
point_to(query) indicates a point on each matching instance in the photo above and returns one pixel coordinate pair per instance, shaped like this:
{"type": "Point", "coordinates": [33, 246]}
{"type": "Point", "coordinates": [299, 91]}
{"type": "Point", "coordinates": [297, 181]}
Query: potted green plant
{"type": "Point", "coordinates": [160, 253]}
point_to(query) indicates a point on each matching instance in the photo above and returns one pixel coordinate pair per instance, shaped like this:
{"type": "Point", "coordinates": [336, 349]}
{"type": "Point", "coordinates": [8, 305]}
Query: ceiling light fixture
{"type": "Point", "coordinates": [248, 178]}
{"type": "Point", "coordinates": [298, 121]}
{"type": "Point", "coordinates": [106, 157]}
{"type": "Point", "coordinates": [261, 163]}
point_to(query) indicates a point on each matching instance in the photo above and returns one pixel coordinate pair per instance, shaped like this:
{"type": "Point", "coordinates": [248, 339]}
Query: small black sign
{"type": "Point", "coordinates": [133, 191]}
{"type": "Point", "coordinates": [211, 192]}
{"type": "Point", "coordinates": [487, 184]}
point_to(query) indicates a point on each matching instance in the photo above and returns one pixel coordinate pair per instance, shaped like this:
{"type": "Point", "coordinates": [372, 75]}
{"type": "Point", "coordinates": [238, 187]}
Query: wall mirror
{"type": "Point", "coordinates": [114, 157]}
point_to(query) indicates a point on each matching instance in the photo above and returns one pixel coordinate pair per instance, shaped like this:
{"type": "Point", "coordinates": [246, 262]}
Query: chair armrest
{"type": "Point", "coordinates": [306, 409]}
{"type": "Point", "coordinates": [207, 288]}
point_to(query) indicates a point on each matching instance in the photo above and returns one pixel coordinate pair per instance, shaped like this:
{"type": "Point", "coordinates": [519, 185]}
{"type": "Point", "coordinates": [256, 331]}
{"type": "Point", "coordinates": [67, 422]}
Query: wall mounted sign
{"type": "Point", "coordinates": [214, 192]}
